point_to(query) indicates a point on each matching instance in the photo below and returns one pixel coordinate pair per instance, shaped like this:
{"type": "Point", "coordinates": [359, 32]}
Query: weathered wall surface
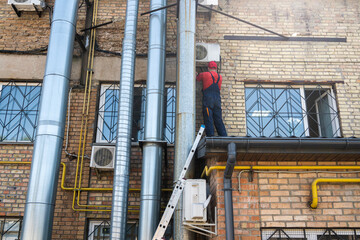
{"type": "Point", "coordinates": [280, 199]}
{"type": "Point", "coordinates": [272, 199]}
{"type": "Point", "coordinates": [274, 61]}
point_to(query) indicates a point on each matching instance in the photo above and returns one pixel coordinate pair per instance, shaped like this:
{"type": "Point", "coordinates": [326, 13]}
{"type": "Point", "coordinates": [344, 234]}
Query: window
{"type": "Point", "coordinates": [288, 111]}
{"type": "Point", "coordinates": [310, 234]}
{"type": "Point", "coordinates": [10, 229]}
{"type": "Point", "coordinates": [19, 106]}
{"type": "Point", "coordinates": [108, 113]}
{"type": "Point", "coordinates": [100, 230]}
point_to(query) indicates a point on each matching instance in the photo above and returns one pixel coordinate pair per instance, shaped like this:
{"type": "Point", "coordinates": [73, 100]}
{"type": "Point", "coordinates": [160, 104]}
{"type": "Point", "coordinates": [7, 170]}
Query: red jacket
{"type": "Point", "coordinates": [207, 80]}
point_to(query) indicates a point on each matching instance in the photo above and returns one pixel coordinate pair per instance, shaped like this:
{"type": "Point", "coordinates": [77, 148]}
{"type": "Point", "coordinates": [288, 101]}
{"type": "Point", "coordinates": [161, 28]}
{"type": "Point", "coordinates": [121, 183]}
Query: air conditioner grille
{"type": "Point", "coordinates": [103, 157]}
{"type": "Point", "coordinates": [201, 52]}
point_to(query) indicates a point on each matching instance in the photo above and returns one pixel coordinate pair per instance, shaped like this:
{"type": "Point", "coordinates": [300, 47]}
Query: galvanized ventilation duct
{"type": "Point", "coordinates": [123, 143]}
{"type": "Point", "coordinates": [185, 99]}
{"type": "Point", "coordinates": [154, 124]}
{"type": "Point", "coordinates": [40, 201]}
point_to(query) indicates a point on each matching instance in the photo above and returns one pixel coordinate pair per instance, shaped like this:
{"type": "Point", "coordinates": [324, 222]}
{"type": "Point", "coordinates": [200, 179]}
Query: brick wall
{"type": "Point", "coordinates": [14, 179]}
{"type": "Point", "coordinates": [272, 199]}
{"type": "Point", "coordinates": [281, 199]}
{"type": "Point", "coordinates": [286, 61]}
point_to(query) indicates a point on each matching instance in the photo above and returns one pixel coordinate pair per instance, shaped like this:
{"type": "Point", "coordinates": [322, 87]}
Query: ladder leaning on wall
{"type": "Point", "coordinates": [178, 189]}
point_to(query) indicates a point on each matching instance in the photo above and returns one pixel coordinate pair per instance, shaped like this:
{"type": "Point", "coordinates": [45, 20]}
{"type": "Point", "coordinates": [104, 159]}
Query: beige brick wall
{"type": "Point", "coordinates": [287, 61]}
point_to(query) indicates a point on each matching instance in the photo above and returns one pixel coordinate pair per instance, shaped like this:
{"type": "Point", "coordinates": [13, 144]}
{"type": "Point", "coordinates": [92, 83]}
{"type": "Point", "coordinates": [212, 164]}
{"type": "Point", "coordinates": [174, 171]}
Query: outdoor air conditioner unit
{"type": "Point", "coordinates": [207, 3]}
{"type": "Point", "coordinates": [28, 5]}
{"type": "Point", "coordinates": [195, 201]}
{"type": "Point", "coordinates": [102, 157]}
{"type": "Point", "coordinates": [206, 52]}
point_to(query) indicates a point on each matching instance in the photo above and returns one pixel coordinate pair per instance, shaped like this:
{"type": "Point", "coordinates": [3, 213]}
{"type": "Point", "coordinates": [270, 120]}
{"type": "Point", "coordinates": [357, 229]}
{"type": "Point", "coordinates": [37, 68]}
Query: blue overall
{"type": "Point", "coordinates": [212, 109]}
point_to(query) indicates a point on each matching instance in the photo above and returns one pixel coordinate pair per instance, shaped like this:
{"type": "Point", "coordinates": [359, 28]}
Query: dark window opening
{"type": "Point", "coordinates": [108, 113]}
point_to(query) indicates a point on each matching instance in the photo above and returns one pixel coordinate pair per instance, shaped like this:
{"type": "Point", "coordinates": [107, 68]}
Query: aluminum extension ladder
{"type": "Point", "coordinates": [178, 189]}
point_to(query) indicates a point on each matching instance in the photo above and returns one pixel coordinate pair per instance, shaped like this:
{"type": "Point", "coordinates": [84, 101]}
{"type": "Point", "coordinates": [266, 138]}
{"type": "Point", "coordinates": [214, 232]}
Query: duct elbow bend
{"type": "Point", "coordinates": [230, 163]}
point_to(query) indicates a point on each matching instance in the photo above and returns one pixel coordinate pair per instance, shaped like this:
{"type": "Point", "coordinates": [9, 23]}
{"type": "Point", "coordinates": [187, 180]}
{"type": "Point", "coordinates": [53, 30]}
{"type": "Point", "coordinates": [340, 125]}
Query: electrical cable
{"type": "Point", "coordinates": [67, 129]}
{"type": "Point", "coordinates": [98, 49]}
{"type": "Point", "coordinates": [32, 51]}
{"type": "Point", "coordinates": [81, 4]}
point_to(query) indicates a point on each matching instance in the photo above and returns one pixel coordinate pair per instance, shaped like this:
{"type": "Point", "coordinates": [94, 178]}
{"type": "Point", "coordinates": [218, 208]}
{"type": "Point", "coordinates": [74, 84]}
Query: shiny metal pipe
{"type": "Point", "coordinates": [40, 201]}
{"type": "Point", "coordinates": [185, 99]}
{"type": "Point", "coordinates": [154, 123]}
{"type": "Point", "coordinates": [123, 141]}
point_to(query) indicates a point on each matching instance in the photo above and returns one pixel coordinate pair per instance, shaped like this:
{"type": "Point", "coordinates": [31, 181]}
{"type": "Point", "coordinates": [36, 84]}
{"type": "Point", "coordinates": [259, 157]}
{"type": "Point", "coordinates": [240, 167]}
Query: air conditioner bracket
{"type": "Point", "coordinates": [18, 13]}
{"type": "Point", "coordinates": [37, 11]}
{"type": "Point", "coordinates": [202, 228]}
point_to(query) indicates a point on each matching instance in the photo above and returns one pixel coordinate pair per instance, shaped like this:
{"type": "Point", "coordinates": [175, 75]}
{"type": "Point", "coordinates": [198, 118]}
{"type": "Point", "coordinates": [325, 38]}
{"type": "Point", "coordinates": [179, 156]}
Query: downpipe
{"type": "Point", "coordinates": [229, 215]}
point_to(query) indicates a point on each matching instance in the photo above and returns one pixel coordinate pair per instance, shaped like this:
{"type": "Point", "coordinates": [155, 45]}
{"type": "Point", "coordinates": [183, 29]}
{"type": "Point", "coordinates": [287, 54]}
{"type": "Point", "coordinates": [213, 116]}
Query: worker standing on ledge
{"type": "Point", "coordinates": [211, 82]}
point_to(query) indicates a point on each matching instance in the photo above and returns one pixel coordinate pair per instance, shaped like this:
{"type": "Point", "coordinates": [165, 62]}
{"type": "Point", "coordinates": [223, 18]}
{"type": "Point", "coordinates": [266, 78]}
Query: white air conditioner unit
{"type": "Point", "coordinates": [103, 157]}
{"type": "Point", "coordinates": [206, 52]}
{"type": "Point", "coordinates": [28, 5]}
{"type": "Point", "coordinates": [207, 3]}
{"type": "Point", "coordinates": [194, 200]}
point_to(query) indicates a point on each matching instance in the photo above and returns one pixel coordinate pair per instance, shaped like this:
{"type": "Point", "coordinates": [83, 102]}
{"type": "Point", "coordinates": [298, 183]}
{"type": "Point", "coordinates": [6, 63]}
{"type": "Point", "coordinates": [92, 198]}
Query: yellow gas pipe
{"type": "Point", "coordinates": [314, 202]}
{"type": "Point", "coordinates": [14, 162]}
{"type": "Point", "coordinates": [207, 170]}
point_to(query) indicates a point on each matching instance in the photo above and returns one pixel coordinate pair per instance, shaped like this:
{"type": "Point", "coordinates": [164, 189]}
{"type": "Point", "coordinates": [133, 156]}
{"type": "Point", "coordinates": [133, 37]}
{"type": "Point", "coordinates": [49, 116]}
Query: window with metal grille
{"type": "Point", "coordinates": [100, 230]}
{"type": "Point", "coordinates": [310, 234]}
{"type": "Point", "coordinates": [19, 107]}
{"type": "Point", "coordinates": [10, 228]}
{"type": "Point", "coordinates": [108, 113]}
{"type": "Point", "coordinates": [291, 111]}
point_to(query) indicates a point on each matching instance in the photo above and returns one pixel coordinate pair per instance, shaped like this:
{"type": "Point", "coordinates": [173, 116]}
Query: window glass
{"type": "Point", "coordinates": [100, 230]}
{"type": "Point", "coordinates": [10, 229]}
{"type": "Point", "coordinates": [19, 106]}
{"type": "Point", "coordinates": [291, 111]}
{"type": "Point", "coordinates": [274, 112]}
{"type": "Point", "coordinates": [108, 113]}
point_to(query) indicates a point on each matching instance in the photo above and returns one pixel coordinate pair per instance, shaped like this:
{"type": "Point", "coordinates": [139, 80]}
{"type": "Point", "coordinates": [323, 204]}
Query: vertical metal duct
{"type": "Point", "coordinates": [185, 98]}
{"type": "Point", "coordinates": [154, 124]}
{"type": "Point", "coordinates": [123, 142]}
{"type": "Point", "coordinates": [229, 215]}
{"type": "Point", "coordinates": [40, 201]}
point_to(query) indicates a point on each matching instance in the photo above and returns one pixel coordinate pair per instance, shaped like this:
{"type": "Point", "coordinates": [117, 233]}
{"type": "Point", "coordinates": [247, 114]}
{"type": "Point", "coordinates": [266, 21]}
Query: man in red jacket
{"type": "Point", "coordinates": [211, 82]}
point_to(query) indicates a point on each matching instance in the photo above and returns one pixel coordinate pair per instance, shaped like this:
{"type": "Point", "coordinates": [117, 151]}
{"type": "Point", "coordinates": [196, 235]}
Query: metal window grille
{"type": "Point", "coordinates": [310, 234]}
{"type": "Point", "coordinates": [10, 228]}
{"type": "Point", "coordinates": [291, 111]}
{"type": "Point", "coordinates": [19, 107]}
{"type": "Point", "coordinates": [108, 113]}
{"type": "Point", "coordinates": [100, 230]}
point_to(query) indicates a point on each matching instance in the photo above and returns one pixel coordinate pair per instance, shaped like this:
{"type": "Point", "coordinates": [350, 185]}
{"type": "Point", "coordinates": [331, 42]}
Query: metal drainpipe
{"type": "Point", "coordinates": [185, 99]}
{"type": "Point", "coordinates": [229, 215]}
{"type": "Point", "coordinates": [123, 141]}
{"type": "Point", "coordinates": [40, 201]}
{"type": "Point", "coordinates": [154, 124]}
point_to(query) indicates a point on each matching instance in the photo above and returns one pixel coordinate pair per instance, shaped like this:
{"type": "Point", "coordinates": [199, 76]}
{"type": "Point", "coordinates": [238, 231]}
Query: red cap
{"type": "Point", "coordinates": [212, 65]}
